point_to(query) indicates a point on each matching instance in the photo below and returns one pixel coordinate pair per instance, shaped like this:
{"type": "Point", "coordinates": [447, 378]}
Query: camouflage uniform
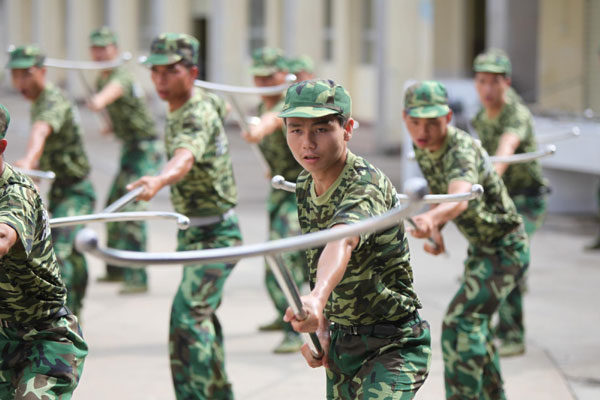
{"type": "Point", "coordinates": [42, 347]}
{"type": "Point", "coordinates": [524, 182]}
{"type": "Point", "coordinates": [498, 253]}
{"type": "Point", "coordinates": [71, 193]}
{"type": "Point", "coordinates": [376, 290]}
{"type": "Point", "coordinates": [281, 205]}
{"type": "Point", "coordinates": [195, 337]}
{"type": "Point", "coordinates": [380, 348]}
{"type": "Point", "coordinates": [140, 155]}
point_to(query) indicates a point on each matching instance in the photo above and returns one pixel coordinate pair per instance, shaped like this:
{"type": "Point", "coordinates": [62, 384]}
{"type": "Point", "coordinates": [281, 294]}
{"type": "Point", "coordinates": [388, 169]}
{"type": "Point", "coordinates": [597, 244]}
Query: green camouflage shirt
{"type": "Point", "coordinates": [377, 285]}
{"type": "Point", "coordinates": [129, 114]}
{"type": "Point", "coordinates": [516, 119]}
{"type": "Point", "coordinates": [63, 151]}
{"type": "Point", "coordinates": [30, 285]}
{"type": "Point", "coordinates": [276, 151]}
{"type": "Point", "coordinates": [488, 217]}
{"type": "Point", "coordinates": [209, 188]}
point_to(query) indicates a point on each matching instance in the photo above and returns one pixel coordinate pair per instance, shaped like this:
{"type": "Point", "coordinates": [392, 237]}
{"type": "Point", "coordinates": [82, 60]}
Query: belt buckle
{"type": "Point", "coordinates": [353, 330]}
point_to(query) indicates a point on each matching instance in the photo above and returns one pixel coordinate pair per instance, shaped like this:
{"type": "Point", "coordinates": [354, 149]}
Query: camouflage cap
{"type": "Point", "coordinates": [302, 63]}
{"type": "Point", "coordinates": [267, 60]}
{"type": "Point", "coordinates": [495, 61]}
{"type": "Point", "coordinates": [426, 99]}
{"type": "Point", "coordinates": [102, 37]}
{"type": "Point", "coordinates": [316, 98]}
{"type": "Point", "coordinates": [25, 57]}
{"type": "Point", "coordinates": [4, 121]}
{"type": "Point", "coordinates": [169, 48]}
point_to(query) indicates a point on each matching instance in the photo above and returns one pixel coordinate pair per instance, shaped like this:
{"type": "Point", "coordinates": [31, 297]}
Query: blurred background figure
{"type": "Point", "coordinates": [131, 123]}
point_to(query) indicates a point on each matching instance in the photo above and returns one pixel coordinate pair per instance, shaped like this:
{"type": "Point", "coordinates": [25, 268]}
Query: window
{"type": "Point", "coordinates": [328, 32]}
{"type": "Point", "coordinates": [367, 33]}
{"type": "Point", "coordinates": [256, 25]}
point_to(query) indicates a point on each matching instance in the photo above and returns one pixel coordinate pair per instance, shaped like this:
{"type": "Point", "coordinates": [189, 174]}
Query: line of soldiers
{"type": "Point", "coordinates": [362, 303]}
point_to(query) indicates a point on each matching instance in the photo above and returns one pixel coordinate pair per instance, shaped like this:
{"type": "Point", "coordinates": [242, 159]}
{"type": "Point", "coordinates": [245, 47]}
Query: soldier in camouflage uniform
{"type": "Point", "coordinates": [55, 144]}
{"type": "Point", "coordinates": [505, 127]}
{"type": "Point", "coordinates": [140, 151]}
{"type": "Point", "coordinates": [303, 67]}
{"type": "Point", "coordinates": [362, 303]}
{"type": "Point", "coordinates": [498, 256]}
{"type": "Point", "coordinates": [42, 347]}
{"type": "Point", "coordinates": [269, 68]}
{"type": "Point", "coordinates": [200, 174]}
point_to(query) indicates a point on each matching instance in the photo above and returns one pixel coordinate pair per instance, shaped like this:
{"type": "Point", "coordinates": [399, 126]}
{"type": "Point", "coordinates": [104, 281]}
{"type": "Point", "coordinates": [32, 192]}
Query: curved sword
{"type": "Point", "coordinates": [87, 240]}
{"type": "Point", "coordinates": [87, 65]}
{"type": "Point", "coordinates": [183, 222]}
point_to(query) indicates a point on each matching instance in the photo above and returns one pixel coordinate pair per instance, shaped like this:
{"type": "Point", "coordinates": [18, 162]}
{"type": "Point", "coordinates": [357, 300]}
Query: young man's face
{"type": "Point", "coordinates": [104, 53]}
{"type": "Point", "coordinates": [29, 81]}
{"type": "Point", "coordinates": [317, 143]}
{"type": "Point", "coordinates": [491, 88]}
{"type": "Point", "coordinates": [428, 133]}
{"type": "Point", "coordinates": [173, 81]}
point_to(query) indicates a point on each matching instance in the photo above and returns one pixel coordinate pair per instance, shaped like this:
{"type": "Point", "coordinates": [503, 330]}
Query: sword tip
{"type": "Point", "coordinates": [277, 181]}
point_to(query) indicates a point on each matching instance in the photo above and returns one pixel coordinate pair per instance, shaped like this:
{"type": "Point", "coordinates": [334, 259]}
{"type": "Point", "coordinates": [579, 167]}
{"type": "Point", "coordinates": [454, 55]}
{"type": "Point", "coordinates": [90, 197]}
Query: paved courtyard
{"type": "Point", "coordinates": [127, 335]}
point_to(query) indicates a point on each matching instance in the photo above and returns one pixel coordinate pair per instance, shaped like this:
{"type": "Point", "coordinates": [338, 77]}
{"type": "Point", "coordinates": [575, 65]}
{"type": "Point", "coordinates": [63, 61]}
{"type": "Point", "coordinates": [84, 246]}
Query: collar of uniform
{"type": "Point", "coordinates": [324, 198]}
{"type": "Point", "coordinates": [277, 107]}
{"type": "Point", "coordinates": [7, 172]}
{"type": "Point", "coordinates": [48, 87]}
{"type": "Point", "coordinates": [197, 94]}
{"type": "Point", "coordinates": [440, 152]}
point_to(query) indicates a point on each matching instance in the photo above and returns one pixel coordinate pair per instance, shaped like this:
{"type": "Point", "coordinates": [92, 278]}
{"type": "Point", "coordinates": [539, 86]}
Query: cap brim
{"type": "Point", "coordinates": [263, 71]}
{"type": "Point", "coordinates": [101, 43]}
{"type": "Point", "coordinates": [429, 111]}
{"type": "Point", "coordinates": [20, 64]}
{"type": "Point", "coordinates": [307, 112]}
{"type": "Point", "coordinates": [494, 69]}
{"type": "Point", "coordinates": [162, 59]}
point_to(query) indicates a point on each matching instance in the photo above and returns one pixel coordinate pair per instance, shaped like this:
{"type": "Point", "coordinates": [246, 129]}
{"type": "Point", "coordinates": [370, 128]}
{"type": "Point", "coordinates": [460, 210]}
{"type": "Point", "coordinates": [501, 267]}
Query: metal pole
{"type": "Point", "coordinates": [292, 295]}
{"type": "Point", "coordinates": [124, 200]}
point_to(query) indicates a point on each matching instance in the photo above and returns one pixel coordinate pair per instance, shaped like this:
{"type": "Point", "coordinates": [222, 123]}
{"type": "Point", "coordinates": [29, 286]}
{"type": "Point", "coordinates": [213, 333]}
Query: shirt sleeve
{"type": "Point", "coordinates": [193, 135]}
{"type": "Point", "coordinates": [461, 164]}
{"type": "Point", "coordinates": [53, 112]}
{"type": "Point", "coordinates": [518, 122]}
{"type": "Point", "coordinates": [17, 212]}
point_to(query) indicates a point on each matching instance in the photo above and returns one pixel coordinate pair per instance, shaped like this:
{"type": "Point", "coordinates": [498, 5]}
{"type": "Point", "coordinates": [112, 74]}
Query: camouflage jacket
{"type": "Point", "coordinates": [209, 187]}
{"type": "Point", "coordinates": [129, 114]}
{"type": "Point", "coordinates": [516, 119]}
{"type": "Point", "coordinates": [30, 286]}
{"type": "Point", "coordinates": [377, 285]}
{"type": "Point", "coordinates": [276, 151]}
{"type": "Point", "coordinates": [487, 218]}
{"type": "Point", "coordinates": [63, 151]}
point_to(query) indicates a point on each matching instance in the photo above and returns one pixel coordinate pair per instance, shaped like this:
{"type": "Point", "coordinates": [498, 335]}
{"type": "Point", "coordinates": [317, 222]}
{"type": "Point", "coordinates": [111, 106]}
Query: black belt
{"type": "Point", "coordinates": [64, 311]}
{"type": "Point", "coordinates": [389, 329]}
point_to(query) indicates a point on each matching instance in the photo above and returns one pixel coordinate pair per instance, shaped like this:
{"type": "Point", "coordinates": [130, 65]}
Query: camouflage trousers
{"type": "Point", "coordinates": [68, 200]}
{"type": "Point", "coordinates": [471, 363]}
{"type": "Point", "coordinates": [283, 222]}
{"type": "Point", "coordinates": [137, 159]}
{"type": "Point", "coordinates": [511, 328]}
{"type": "Point", "coordinates": [44, 363]}
{"type": "Point", "coordinates": [384, 368]}
{"type": "Point", "coordinates": [195, 337]}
